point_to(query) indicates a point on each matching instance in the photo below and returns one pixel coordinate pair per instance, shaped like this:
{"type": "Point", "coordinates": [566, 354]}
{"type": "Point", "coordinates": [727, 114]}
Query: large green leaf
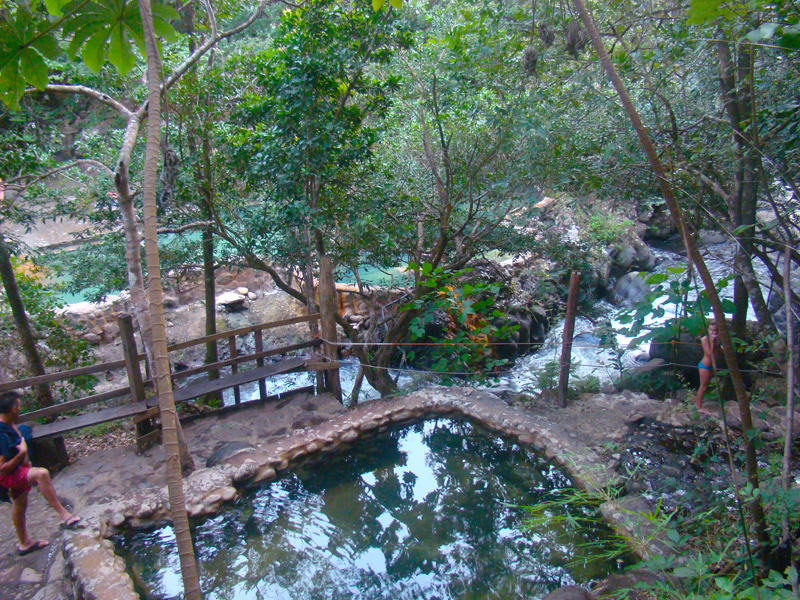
{"type": "Point", "coordinates": [33, 68]}
{"type": "Point", "coordinates": [109, 30]}
{"type": "Point", "coordinates": [12, 85]}
{"type": "Point", "coordinates": [94, 50]}
{"type": "Point", "coordinates": [162, 15]}
{"type": "Point", "coordinates": [120, 51]}
{"type": "Point", "coordinates": [705, 11]}
{"type": "Point", "coordinates": [47, 46]}
{"type": "Point", "coordinates": [55, 7]}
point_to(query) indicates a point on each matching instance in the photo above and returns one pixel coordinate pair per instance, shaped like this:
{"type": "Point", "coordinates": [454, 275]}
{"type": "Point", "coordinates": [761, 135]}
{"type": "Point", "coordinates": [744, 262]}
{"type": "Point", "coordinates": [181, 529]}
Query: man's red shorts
{"type": "Point", "coordinates": [16, 481]}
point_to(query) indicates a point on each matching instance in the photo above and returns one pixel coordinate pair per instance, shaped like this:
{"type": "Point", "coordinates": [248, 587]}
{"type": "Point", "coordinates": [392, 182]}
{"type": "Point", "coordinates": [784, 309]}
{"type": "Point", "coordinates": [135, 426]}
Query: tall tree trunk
{"type": "Point", "coordinates": [308, 276]}
{"type": "Point", "coordinates": [790, 346]}
{"type": "Point", "coordinates": [169, 416]}
{"type": "Point", "coordinates": [737, 97]}
{"type": "Point", "coordinates": [27, 341]}
{"type": "Point", "coordinates": [133, 262]}
{"type": "Point", "coordinates": [749, 434]}
{"type": "Point", "coordinates": [210, 295]}
{"type": "Point", "coordinates": [209, 281]}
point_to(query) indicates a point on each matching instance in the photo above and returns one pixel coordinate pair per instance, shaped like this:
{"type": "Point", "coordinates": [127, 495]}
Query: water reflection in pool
{"type": "Point", "coordinates": [423, 512]}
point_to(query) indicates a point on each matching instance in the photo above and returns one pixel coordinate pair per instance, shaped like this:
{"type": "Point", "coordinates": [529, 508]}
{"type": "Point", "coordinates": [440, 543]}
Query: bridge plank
{"type": "Point", "coordinates": [92, 418]}
{"type": "Point", "coordinates": [206, 387]}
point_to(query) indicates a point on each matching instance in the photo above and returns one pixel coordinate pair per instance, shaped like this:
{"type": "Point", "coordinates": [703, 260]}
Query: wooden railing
{"type": "Point", "coordinates": [144, 408]}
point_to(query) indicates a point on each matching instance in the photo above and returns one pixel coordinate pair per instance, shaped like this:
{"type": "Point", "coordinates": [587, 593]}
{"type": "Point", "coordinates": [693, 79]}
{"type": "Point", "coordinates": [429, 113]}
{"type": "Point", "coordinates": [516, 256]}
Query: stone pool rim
{"type": "Point", "coordinates": [97, 573]}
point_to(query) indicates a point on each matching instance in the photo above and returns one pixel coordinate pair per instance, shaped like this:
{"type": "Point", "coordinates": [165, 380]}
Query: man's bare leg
{"type": "Point", "coordinates": [41, 477]}
{"type": "Point", "coordinates": [19, 506]}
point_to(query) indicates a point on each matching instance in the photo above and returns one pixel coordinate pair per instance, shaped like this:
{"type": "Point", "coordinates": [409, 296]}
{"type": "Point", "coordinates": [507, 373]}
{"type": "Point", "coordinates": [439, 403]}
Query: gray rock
{"type": "Point", "coordinates": [28, 575]}
{"type": "Point", "coordinates": [227, 450]}
{"type": "Point", "coordinates": [630, 289]}
{"type": "Point", "coordinates": [570, 592]}
{"type": "Point", "coordinates": [231, 301]}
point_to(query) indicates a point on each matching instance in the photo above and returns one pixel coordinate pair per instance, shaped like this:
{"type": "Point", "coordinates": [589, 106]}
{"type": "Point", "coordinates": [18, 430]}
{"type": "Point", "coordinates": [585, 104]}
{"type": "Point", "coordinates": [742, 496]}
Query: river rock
{"type": "Point", "coordinates": [615, 583]}
{"type": "Point", "coordinates": [227, 450]}
{"type": "Point", "coordinates": [708, 237]}
{"type": "Point", "coordinates": [734, 418]}
{"type": "Point", "coordinates": [630, 289]}
{"type": "Point", "coordinates": [231, 301]}
{"type": "Point", "coordinates": [629, 253]}
{"type": "Point", "coordinates": [683, 353]}
{"type": "Point", "coordinates": [654, 378]}
{"type": "Point", "coordinates": [526, 338]}
{"type": "Point", "coordinates": [658, 222]}
{"type": "Point", "coordinates": [570, 592]}
{"type": "Point", "coordinates": [770, 390]}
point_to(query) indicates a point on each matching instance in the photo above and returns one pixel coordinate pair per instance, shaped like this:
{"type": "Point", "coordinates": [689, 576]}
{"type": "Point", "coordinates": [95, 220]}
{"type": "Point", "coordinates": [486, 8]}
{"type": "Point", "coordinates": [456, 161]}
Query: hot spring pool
{"type": "Point", "coordinates": [429, 511]}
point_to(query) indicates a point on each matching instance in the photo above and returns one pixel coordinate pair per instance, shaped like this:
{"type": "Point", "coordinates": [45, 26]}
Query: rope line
{"type": "Point", "coordinates": [509, 372]}
{"type": "Point", "coordinates": [349, 344]}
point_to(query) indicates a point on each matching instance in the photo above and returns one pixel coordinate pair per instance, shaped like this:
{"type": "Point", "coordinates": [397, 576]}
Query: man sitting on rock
{"type": "Point", "coordinates": [17, 475]}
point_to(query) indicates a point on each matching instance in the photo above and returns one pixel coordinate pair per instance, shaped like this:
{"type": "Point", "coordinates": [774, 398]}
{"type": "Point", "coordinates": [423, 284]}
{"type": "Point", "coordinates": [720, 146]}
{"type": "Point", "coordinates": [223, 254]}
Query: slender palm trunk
{"type": "Point", "coordinates": [749, 434]}
{"type": "Point", "coordinates": [26, 339]}
{"type": "Point", "coordinates": [169, 417]}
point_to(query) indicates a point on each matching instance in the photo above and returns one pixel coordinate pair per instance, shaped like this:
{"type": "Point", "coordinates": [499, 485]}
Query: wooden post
{"type": "Point", "coordinates": [327, 310]}
{"type": "Point", "coordinates": [258, 338]}
{"type": "Point", "coordinates": [144, 427]}
{"type": "Point", "coordinates": [566, 338]}
{"type": "Point", "coordinates": [234, 370]}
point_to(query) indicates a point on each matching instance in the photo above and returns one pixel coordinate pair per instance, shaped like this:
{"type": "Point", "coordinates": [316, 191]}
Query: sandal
{"type": "Point", "coordinates": [73, 523]}
{"type": "Point", "coordinates": [37, 545]}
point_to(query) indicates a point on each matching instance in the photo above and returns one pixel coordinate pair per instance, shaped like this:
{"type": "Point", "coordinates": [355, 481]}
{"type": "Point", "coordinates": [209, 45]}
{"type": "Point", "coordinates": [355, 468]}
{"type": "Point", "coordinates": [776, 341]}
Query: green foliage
{"type": "Point", "coordinates": [605, 229]}
{"type": "Point", "coordinates": [32, 33]}
{"type": "Point", "coordinates": [547, 376]}
{"type": "Point", "coordinates": [308, 128]}
{"type": "Point", "coordinates": [669, 289]}
{"type": "Point", "coordinates": [59, 348]}
{"type": "Point", "coordinates": [107, 31]}
{"type": "Point", "coordinates": [456, 320]}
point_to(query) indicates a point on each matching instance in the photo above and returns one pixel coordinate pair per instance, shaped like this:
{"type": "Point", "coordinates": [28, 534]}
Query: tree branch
{"type": "Point", "coordinates": [23, 182]}
{"type": "Point", "coordinates": [210, 43]}
{"type": "Point", "coordinates": [187, 227]}
{"type": "Point", "coordinates": [90, 93]}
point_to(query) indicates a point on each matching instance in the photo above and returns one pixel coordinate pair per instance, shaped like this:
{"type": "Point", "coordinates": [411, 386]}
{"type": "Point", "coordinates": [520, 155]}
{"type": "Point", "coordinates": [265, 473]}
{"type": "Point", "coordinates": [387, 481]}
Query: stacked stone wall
{"type": "Point", "coordinates": [97, 322]}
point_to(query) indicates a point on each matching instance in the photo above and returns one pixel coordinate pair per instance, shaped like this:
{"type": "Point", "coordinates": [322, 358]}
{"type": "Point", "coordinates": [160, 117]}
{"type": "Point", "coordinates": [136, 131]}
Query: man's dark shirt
{"type": "Point", "coordinates": [9, 439]}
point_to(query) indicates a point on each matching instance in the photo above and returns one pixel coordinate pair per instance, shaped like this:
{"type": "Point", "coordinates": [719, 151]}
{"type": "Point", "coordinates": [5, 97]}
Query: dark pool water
{"type": "Point", "coordinates": [426, 512]}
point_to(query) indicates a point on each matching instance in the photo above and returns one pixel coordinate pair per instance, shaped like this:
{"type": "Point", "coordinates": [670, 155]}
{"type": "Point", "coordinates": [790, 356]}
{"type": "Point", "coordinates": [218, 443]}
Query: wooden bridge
{"type": "Point", "coordinates": [138, 399]}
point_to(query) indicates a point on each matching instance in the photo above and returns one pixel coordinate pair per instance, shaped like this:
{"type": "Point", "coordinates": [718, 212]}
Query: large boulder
{"type": "Point", "coordinates": [654, 378]}
{"type": "Point", "coordinates": [630, 289]}
{"type": "Point", "coordinates": [528, 335]}
{"type": "Point", "coordinates": [227, 450]}
{"type": "Point", "coordinates": [631, 253]}
{"type": "Point", "coordinates": [683, 352]}
{"type": "Point", "coordinates": [570, 592]}
{"type": "Point", "coordinates": [658, 222]}
{"type": "Point", "coordinates": [231, 301]}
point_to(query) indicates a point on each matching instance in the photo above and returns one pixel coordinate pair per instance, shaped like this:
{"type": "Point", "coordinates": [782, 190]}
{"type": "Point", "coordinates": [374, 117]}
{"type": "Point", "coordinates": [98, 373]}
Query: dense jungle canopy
{"type": "Point", "coordinates": [379, 134]}
{"type": "Point", "coordinates": [385, 135]}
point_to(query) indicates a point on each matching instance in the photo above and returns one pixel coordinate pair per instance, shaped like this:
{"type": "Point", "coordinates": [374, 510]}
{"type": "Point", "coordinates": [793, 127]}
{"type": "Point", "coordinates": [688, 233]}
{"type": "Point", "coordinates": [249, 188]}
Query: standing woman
{"type": "Point", "coordinates": [708, 364]}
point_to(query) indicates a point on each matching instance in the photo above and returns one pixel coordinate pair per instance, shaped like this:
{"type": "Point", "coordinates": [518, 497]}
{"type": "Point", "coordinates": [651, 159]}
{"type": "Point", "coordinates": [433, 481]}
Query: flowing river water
{"type": "Point", "coordinates": [592, 356]}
